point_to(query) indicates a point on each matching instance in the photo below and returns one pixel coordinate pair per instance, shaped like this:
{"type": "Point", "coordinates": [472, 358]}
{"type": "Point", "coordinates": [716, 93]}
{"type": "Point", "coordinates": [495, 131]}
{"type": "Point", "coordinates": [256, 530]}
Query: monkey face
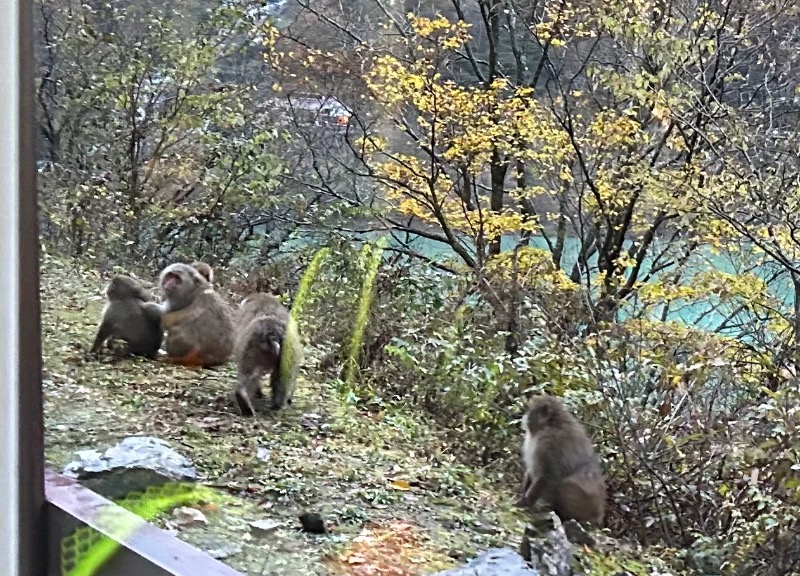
{"type": "Point", "coordinates": [180, 280]}
{"type": "Point", "coordinates": [171, 282]}
{"type": "Point", "coordinates": [176, 278]}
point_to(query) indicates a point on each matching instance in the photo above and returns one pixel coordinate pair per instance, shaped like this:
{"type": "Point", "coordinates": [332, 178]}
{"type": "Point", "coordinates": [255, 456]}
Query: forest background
{"type": "Point", "coordinates": [593, 200]}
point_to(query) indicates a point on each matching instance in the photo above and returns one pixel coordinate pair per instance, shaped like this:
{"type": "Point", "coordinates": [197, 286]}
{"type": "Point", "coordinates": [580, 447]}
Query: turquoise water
{"type": "Point", "coordinates": [697, 314]}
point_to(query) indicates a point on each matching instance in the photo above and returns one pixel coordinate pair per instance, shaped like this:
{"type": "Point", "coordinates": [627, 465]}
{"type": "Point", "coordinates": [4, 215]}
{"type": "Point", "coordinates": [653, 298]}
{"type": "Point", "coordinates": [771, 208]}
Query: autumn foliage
{"type": "Point", "coordinates": [593, 200]}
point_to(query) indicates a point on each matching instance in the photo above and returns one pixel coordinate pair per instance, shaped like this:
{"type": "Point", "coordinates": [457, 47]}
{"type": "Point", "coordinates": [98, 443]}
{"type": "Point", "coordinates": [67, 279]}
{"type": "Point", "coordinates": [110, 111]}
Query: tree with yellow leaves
{"type": "Point", "coordinates": [575, 128]}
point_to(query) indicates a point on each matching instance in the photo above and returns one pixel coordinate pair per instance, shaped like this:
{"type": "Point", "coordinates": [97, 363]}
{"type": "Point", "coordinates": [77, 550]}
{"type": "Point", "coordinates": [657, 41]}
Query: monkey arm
{"type": "Point", "coordinates": [173, 318]}
{"type": "Point", "coordinates": [152, 310]}
{"type": "Point", "coordinates": [103, 334]}
{"type": "Point", "coordinates": [532, 493]}
{"type": "Point", "coordinates": [526, 484]}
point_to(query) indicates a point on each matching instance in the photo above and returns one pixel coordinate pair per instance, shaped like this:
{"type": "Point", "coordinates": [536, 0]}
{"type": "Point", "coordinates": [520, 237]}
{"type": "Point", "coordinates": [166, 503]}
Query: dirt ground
{"type": "Point", "coordinates": [395, 501]}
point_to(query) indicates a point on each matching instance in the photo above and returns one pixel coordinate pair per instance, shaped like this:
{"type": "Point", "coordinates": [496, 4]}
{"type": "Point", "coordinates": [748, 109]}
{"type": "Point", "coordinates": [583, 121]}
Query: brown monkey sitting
{"type": "Point", "coordinates": [198, 321]}
{"type": "Point", "coordinates": [127, 316]}
{"type": "Point", "coordinates": [267, 342]}
{"type": "Point", "coordinates": [561, 466]}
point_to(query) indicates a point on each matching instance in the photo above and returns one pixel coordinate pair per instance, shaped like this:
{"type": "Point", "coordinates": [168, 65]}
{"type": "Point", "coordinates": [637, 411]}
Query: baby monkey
{"type": "Point", "coordinates": [561, 467]}
{"type": "Point", "coordinates": [128, 316]}
{"type": "Point", "coordinates": [267, 342]}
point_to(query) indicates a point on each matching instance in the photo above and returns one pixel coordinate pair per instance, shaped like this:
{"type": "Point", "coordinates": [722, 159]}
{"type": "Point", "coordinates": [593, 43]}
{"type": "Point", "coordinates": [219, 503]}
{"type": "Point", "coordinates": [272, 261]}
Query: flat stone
{"type": "Point", "coordinates": [132, 465]}
{"type": "Point", "coordinates": [223, 551]}
{"type": "Point", "coordinates": [186, 515]}
{"type": "Point", "coordinates": [493, 562]}
{"type": "Point", "coordinates": [265, 526]}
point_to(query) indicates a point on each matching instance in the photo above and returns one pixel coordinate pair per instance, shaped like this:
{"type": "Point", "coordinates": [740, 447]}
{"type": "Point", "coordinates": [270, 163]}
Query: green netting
{"type": "Point", "coordinates": [85, 551]}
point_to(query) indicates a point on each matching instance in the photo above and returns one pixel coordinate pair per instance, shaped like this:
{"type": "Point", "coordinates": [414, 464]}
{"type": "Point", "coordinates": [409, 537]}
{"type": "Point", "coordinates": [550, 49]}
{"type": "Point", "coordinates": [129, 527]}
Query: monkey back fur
{"type": "Point", "coordinates": [128, 316]}
{"type": "Point", "coordinates": [267, 342]}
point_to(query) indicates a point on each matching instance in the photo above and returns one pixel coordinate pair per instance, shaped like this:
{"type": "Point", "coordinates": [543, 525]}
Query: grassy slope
{"type": "Point", "coordinates": [322, 455]}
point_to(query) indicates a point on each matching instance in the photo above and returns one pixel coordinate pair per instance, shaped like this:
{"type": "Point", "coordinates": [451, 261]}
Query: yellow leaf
{"type": "Point", "coordinates": [401, 485]}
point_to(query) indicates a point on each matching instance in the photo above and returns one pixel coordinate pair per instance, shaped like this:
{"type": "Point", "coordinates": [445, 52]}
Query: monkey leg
{"type": "Point", "coordinates": [122, 351]}
{"type": "Point", "coordinates": [579, 498]}
{"type": "Point", "coordinates": [249, 383]}
{"type": "Point", "coordinates": [182, 349]}
{"type": "Point", "coordinates": [281, 390]}
{"type": "Point", "coordinates": [244, 403]}
{"type": "Point", "coordinates": [191, 359]}
{"type": "Point", "coordinates": [151, 355]}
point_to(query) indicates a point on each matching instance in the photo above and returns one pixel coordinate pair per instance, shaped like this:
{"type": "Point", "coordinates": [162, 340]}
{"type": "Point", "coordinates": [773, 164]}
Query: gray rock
{"type": "Point", "coordinates": [493, 562]}
{"type": "Point", "coordinates": [551, 555]}
{"type": "Point", "coordinates": [577, 534]}
{"type": "Point", "coordinates": [131, 466]}
{"type": "Point", "coordinates": [265, 526]}
{"type": "Point", "coordinates": [546, 546]}
{"type": "Point", "coordinates": [224, 551]}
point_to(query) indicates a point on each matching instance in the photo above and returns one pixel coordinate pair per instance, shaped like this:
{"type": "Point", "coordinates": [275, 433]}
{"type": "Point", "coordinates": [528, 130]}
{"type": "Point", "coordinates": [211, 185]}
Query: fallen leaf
{"type": "Point", "coordinates": [266, 525]}
{"type": "Point", "coordinates": [401, 485]}
{"type": "Point", "coordinates": [185, 515]}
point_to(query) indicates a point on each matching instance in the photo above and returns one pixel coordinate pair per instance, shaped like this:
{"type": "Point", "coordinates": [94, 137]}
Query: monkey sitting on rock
{"type": "Point", "coordinates": [132, 315]}
{"type": "Point", "coordinates": [561, 466]}
{"type": "Point", "coordinates": [198, 321]}
{"type": "Point", "coordinates": [267, 342]}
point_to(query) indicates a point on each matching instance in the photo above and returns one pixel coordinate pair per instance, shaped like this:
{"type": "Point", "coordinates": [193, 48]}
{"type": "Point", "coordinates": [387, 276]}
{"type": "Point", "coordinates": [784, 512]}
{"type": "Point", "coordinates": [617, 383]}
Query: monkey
{"type": "Point", "coordinates": [205, 270]}
{"type": "Point", "coordinates": [561, 466]}
{"type": "Point", "coordinates": [267, 342]}
{"type": "Point", "coordinates": [130, 315]}
{"type": "Point", "coordinates": [198, 321]}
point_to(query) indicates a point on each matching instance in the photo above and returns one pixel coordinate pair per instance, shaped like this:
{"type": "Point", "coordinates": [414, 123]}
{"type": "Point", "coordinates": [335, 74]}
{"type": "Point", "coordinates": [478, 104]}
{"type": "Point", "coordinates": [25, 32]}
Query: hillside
{"type": "Point", "coordinates": [319, 455]}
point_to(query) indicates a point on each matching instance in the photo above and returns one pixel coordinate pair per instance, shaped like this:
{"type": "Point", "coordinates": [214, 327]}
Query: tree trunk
{"type": "Point", "coordinates": [498, 170]}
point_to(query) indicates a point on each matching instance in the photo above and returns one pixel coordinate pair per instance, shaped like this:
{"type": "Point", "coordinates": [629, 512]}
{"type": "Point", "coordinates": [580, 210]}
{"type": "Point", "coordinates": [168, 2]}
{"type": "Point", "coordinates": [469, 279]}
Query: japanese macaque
{"type": "Point", "coordinates": [205, 270]}
{"type": "Point", "coordinates": [267, 342]}
{"type": "Point", "coordinates": [128, 316]}
{"type": "Point", "coordinates": [198, 321]}
{"type": "Point", "coordinates": [561, 467]}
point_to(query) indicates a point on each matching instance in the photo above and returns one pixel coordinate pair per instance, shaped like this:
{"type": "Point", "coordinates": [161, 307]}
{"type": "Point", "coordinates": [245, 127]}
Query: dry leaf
{"type": "Point", "coordinates": [401, 485]}
{"type": "Point", "coordinates": [356, 559]}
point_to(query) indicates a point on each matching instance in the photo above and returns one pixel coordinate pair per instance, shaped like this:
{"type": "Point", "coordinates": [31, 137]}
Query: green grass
{"type": "Point", "coordinates": [324, 454]}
